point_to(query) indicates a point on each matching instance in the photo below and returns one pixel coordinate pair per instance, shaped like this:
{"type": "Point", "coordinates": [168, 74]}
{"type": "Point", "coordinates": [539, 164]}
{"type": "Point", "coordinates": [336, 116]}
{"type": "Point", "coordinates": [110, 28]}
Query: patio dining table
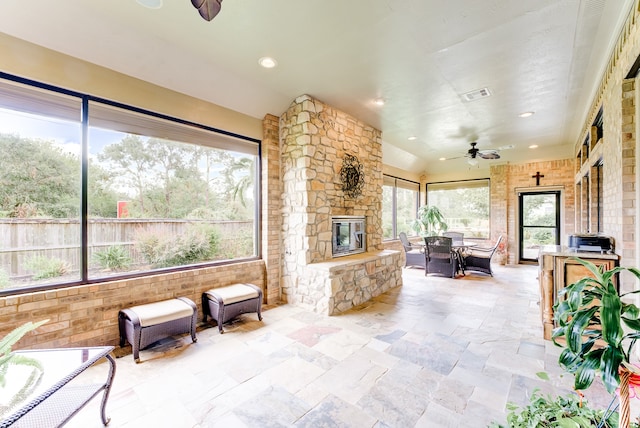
{"type": "Point", "coordinates": [459, 248]}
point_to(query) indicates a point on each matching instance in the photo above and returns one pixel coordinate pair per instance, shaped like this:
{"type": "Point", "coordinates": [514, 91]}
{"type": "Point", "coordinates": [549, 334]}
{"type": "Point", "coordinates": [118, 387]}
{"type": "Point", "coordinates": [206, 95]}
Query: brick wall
{"type": "Point", "coordinates": [271, 207]}
{"type": "Point", "coordinates": [616, 97]}
{"type": "Point", "coordinates": [88, 315]}
{"type": "Point", "coordinates": [507, 179]}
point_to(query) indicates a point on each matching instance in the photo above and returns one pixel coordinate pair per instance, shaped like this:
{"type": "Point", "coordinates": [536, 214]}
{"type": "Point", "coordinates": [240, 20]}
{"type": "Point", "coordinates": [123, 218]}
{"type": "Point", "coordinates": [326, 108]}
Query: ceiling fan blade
{"type": "Point", "coordinates": [208, 8]}
{"type": "Point", "coordinates": [488, 154]}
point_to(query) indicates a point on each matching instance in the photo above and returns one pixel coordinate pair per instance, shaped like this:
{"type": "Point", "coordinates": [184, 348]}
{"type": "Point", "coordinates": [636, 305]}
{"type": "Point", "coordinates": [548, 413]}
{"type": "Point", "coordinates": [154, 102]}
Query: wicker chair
{"type": "Point", "coordinates": [479, 259]}
{"type": "Point", "coordinates": [456, 237]}
{"type": "Point", "coordinates": [414, 254]}
{"type": "Point", "coordinates": [440, 257]}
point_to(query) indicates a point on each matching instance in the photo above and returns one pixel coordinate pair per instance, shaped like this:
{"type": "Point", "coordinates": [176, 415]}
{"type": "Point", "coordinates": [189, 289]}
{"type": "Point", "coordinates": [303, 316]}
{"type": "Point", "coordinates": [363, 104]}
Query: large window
{"type": "Point", "coordinates": [92, 190]}
{"type": "Point", "coordinates": [464, 204]}
{"type": "Point", "coordinates": [399, 206]}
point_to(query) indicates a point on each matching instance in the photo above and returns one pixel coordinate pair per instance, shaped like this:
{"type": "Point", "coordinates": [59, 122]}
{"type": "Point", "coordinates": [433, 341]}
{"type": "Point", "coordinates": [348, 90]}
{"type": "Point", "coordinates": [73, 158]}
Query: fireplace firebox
{"type": "Point", "coordinates": [348, 235]}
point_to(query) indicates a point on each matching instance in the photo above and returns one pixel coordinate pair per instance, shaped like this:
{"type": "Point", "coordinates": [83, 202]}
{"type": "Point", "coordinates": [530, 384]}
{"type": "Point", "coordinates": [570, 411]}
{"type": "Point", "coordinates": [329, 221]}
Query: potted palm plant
{"type": "Point", "coordinates": [598, 332]}
{"type": "Point", "coordinates": [430, 221]}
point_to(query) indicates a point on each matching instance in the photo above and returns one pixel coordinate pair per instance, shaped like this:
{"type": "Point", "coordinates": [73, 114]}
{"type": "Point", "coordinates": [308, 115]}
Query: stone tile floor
{"type": "Point", "coordinates": [436, 352]}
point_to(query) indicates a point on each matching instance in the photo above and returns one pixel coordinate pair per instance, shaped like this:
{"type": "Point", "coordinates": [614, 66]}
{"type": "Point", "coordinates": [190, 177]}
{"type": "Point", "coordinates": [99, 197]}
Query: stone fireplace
{"type": "Point", "coordinates": [315, 141]}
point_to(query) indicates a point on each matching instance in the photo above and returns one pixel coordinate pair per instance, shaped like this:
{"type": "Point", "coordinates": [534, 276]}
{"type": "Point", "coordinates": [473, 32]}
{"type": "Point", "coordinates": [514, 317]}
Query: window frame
{"type": "Point", "coordinates": [394, 201]}
{"type": "Point", "coordinates": [85, 99]}
{"type": "Point", "coordinates": [456, 184]}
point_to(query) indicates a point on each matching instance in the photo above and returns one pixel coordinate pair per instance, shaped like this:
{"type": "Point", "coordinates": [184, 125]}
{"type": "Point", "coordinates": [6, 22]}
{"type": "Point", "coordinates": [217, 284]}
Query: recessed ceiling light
{"type": "Point", "coordinates": [527, 114]}
{"type": "Point", "coordinates": [379, 101]}
{"type": "Point", "coordinates": [412, 138]}
{"type": "Point", "coordinates": [443, 158]}
{"type": "Point", "coordinates": [151, 4]}
{"type": "Point", "coordinates": [267, 62]}
{"type": "Point", "coordinates": [533, 146]}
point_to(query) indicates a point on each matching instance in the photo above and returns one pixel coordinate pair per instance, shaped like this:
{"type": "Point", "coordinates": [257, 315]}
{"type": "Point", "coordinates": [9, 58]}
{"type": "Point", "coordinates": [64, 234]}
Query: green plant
{"type": "Point", "coordinates": [560, 411]}
{"type": "Point", "coordinates": [600, 332]}
{"type": "Point", "coordinates": [429, 222]}
{"type": "Point", "coordinates": [45, 267]}
{"type": "Point", "coordinates": [115, 257]}
{"type": "Point", "coordinates": [7, 359]}
{"type": "Point", "coordinates": [161, 248]}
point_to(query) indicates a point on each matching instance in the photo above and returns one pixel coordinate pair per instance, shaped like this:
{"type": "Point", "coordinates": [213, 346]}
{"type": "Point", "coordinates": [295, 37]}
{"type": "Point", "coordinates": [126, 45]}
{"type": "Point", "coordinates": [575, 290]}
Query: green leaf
{"type": "Point", "coordinates": [579, 322]}
{"type": "Point", "coordinates": [586, 372]}
{"type": "Point", "coordinates": [610, 364]}
{"type": "Point", "coordinates": [543, 375]}
{"type": "Point", "coordinates": [610, 319]}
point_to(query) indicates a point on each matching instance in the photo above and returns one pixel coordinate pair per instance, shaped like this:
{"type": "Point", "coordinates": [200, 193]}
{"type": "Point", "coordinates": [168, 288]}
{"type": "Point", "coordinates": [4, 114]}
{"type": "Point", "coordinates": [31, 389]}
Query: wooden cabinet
{"type": "Point", "coordinates": [558, 269]}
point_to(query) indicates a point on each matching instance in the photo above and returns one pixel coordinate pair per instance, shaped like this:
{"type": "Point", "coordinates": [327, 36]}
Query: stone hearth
{"type": "Point", "coordinates": [314, 139]}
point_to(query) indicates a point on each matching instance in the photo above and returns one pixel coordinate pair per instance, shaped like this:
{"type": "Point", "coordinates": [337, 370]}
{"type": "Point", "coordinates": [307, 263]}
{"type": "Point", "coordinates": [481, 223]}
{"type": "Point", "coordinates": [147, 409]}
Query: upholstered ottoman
{"type": "Point", "coordinates": [225, 303]}
{"type": "Point", "coordinates": [145, 324]}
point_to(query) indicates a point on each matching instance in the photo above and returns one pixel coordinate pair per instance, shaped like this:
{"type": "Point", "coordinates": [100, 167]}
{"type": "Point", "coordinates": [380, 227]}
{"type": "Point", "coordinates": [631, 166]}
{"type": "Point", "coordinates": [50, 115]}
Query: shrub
{"type": "Point", "coordinates": [45, 267]}
{"type": "Point", "coordinates": [115, 258]}
{"type": "Point", "coordinates": [160, 248]}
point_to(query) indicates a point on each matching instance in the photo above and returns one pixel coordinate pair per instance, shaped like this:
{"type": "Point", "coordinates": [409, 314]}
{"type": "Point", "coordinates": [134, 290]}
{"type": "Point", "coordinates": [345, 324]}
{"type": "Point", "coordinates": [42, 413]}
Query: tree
{"type": "Point", "coordinates": [37, 179]}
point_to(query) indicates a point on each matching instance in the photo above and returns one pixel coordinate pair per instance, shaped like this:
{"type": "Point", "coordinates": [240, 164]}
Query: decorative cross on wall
{"type": "Point", "coordinates": [537, 177]}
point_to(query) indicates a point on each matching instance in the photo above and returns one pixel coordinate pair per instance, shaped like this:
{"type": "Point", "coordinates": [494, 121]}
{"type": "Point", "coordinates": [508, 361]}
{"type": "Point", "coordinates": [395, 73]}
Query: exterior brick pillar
{"type": "Point", "coordinates": [271, 207]}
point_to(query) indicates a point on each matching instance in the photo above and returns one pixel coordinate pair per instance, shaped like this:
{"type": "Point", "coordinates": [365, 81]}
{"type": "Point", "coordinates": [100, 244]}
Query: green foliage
{"type": "Point", "coordinates": [430, 221]}
{"type": "Point", "coordinates": [115, 257]}
{"type": "Point", "coordinates": [161, 248]}
{"type": "Point", "coordinates": [546, 411]}
{"type": "Point", "coordinates": [8, 359]}
{"type": "Point", "coordinates": [45, 267]}
{"type": "Point", "coordinates": [594, 311]}
{"type": "Point", "coordinates": [37, 178]}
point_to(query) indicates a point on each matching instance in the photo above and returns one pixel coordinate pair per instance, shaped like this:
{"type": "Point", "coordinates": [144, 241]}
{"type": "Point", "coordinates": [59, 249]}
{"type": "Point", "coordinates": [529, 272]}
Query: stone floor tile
{"type": "Point", "coordinates": [436, 352]}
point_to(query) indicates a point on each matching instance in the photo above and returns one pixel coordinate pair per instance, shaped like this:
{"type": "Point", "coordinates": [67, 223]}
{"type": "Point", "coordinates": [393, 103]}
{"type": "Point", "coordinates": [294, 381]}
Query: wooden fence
{"type": "Point", "coordinates": [24, 239]}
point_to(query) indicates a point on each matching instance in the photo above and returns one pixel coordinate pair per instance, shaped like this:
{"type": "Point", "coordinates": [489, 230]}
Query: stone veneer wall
{"type": "Point", "coordinates": [314, 139]}
{"type": "Point", "coordinates": [505, 179]}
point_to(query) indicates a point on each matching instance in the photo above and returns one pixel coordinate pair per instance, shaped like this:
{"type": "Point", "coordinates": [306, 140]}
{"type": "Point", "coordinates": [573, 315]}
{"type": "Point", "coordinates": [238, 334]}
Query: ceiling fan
{"type": "Point", "coordinates": [474, 153]}
{"type": "Point", "coordinates": [208, 8]}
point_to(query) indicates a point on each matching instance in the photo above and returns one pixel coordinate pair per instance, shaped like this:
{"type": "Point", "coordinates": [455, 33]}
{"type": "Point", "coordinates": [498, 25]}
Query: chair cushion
{"type": "Point", "coordinates": [161, 312]}
{"type": "Point", "coordinates": [233, 293]}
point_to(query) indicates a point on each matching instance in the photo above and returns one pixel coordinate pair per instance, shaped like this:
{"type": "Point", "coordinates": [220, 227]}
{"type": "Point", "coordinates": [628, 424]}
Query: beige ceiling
{"type": "Point", "coordinates": [545, 56]}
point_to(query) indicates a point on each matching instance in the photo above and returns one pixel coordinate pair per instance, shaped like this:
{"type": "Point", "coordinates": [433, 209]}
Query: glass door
{"type": "Point", "coordinates": [539, 222]}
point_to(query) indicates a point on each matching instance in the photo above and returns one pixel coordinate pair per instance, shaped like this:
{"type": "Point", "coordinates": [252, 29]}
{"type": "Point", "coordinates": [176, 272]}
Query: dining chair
{"type": "Point", "coordinates": [414, 254]}
{"type": "Point", "coordinates": [456, 237]}
{"type": "Point", "coordinates": [479, 259]}
{"type": "Point", "coordinates": [440, 257]}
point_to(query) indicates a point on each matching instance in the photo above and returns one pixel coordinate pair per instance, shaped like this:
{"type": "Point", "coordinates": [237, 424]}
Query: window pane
{"type": "Point", "coordinates": [157, 203]}
{"type": "Point", "coordinates": [407, 201]}
{"type": "Point", "coordinates": [387, 212]}
{"type": "Point", "coordinates": [399, 206]}
{"type": "Point", "coordinates": [39, 195]}
{"type": "Point", "coordinates": [465, 205]}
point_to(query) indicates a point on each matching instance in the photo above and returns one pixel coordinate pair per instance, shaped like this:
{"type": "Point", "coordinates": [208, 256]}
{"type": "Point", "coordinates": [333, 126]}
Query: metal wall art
{"type": "Point", "coordinates": [352, 176]}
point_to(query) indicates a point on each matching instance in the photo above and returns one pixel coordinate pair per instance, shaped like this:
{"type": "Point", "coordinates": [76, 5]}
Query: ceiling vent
{"type": "Point", "coordinates": [477, 94]}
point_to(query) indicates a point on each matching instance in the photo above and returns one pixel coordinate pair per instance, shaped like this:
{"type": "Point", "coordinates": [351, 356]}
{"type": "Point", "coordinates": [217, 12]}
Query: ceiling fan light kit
{"type": "Point", "coordinates": [208, 9]}
{"type": "Point", "coordinates": [151, 4]}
